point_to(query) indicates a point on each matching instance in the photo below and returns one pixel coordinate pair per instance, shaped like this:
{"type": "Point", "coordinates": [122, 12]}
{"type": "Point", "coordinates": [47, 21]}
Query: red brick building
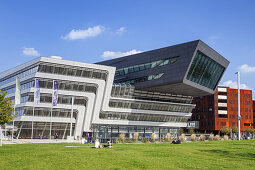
{"type": "Point", "coordinates": [254, 114]}
{"type": "Point", "coordinates": [216, 111]}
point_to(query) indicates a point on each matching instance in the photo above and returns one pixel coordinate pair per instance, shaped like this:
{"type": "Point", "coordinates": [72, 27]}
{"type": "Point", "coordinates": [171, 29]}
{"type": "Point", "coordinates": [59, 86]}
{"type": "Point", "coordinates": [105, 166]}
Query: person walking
{"type": "Point", "coordinates": [56, 137]}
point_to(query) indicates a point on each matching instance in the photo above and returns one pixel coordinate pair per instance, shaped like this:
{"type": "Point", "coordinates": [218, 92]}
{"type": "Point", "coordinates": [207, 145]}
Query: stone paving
{"type": "Point", "coordinates": [24, 141]}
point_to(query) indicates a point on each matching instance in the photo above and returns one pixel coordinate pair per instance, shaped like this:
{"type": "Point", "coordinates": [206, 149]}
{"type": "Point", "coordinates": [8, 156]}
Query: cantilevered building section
{"type": "Point", "coordinates": [192, 69]}
{"type": "Point", "coordinates": [150, 92]}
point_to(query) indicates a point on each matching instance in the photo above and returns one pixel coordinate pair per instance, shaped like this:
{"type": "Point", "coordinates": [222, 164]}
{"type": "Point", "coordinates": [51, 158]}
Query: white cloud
{"type": "Point", "coordinates": [245, 68]}
{"type": "Point", "coordinates": [121, 30]}
{"type": "Point", "coordinates": [83, 34]}
{"type": "Point", "coordinates": [232, 84]}
{"type": "Point", "coordinates": [30, 52]}
{"type": "Point", "coordinates": [112, 54]}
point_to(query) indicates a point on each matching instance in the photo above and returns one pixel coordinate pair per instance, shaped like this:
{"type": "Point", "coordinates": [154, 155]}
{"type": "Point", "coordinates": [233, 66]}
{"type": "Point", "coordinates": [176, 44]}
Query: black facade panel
{"type": "Point", "coordinates": [174, 78]}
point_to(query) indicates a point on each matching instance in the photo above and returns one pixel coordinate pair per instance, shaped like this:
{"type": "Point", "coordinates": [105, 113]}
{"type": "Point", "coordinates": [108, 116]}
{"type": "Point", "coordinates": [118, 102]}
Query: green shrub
{"type": "Point", "coordinates": [181, 131]}
{"type": "Point", "coordinates": [249, 130]}
{"type": "Point", "coordinates": [119, 140]}
{"type": "Point", "coordinates": [144, 140]}
{"type": "Point", "coordinates": [191, 131]}
{"type": "Point", "coordinates": [225, 130]}
{"type": "Point", "coordinates": [234, 129]}
{"type": "Point", "coordinates": [128, 141]}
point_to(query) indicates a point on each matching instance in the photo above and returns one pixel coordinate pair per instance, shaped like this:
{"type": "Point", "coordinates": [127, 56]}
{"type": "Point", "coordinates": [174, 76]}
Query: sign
{"type": "Point", "coordinates": [37, 92]}
{"type": "Point", "coordinates": [17, 91]}
{"type": "Point", "coordinates": [55, 93]}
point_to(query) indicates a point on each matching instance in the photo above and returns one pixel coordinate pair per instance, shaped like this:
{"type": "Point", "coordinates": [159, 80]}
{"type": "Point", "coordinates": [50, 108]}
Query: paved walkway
{"type": "Point", "coordinates": [24, 141]}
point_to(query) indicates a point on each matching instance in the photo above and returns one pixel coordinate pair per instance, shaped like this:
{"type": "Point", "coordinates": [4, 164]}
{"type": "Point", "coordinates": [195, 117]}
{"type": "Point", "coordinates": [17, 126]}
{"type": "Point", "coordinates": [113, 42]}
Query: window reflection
{"type": "Point", "coordinates": [136, 68]}
{"type": "Point", "coordinates": [205, 71]}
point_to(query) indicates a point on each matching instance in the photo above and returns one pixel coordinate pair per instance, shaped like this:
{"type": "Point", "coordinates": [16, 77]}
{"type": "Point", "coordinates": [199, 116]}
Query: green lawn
{"type": "Point", "coordinates": [196, 155]}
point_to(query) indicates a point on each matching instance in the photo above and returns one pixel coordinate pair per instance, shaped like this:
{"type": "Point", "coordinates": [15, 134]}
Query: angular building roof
{"type": "Point", "coordinates": [191, 68]}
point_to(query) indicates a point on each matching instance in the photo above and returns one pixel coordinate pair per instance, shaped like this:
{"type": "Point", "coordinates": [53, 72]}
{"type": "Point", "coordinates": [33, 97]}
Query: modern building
{"type": "Point", "coordinates": [191, 69]}
{"type": "Point", "coordinates": [150, 92]}
{"type": "Point", "coordinates": [213, 112]}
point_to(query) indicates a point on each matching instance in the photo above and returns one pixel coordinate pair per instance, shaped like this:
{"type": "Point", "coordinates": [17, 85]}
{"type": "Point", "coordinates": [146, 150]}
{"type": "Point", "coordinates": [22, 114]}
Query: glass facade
{"type": "Point", "coordinates": [62, 85]}
{"type": "Point", "coordinates": [69, 85]}
{"type": "Point", "coordinates": [73, 71]}
{"type": "Point", "coordinates": [146, 66]}
{"type": "Point", "coordinates": [128, 91]}
{"type": "Point", "coordinates": [45, 112]}
{"type": "Point", "coordinates": [24, 130]}
{"type": "Point", "coordinates": [150, 106]}
{"type": "Point", "coordinates": [104, 132]}
{"type": "Point", "coordinates": [142, 117]}
{"type": "Point", "coordinates": [47, 98]}
{"type": "Point", "coordinates": [205, 71]}
{"type": "Point", "coordinates": [22, 87]}
{"type": "Point", "coordinates": [144, 78]}
{"type": "Point", "coordinates": [20, 75]}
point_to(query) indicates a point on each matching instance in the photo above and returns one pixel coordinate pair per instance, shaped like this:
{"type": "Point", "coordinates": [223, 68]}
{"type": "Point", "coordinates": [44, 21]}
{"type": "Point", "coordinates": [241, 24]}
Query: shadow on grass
{"type": "Point", "coordinates": [250, 156]}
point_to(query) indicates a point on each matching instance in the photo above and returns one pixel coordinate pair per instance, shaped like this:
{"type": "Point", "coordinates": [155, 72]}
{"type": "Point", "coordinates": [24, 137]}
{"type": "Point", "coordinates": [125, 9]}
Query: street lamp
{"type": "Point", "coordinates": [239, 116]}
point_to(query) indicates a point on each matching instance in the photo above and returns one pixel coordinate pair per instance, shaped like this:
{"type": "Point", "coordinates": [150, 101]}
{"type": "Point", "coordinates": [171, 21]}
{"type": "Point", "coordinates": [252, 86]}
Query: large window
{"type": "Point", "coordinates": [75, 71]}
{"type": "Point", "coordinates": [20, 75]}
{"type": "Point", "coordinates": [205, 71]}
{"type": "Point", "coordinates": [146, 66]}
{"type": "Point", "coordinates": [142, 117]}
{"type": "Point", "coordinates": [150, 106]}
{"type": "Point", "coordinates": [144, 78]}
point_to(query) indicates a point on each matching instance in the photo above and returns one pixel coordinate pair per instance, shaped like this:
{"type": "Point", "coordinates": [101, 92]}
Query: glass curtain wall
{"type": "Point", "coordinates": [142, 117]}
{"type": "Point", "coordinates": [112, 132]}
{"type": "Point", "coordinates": [146, 66]}
{"type": "Point", "coordinates": [41, 130]}
{"type": "Point", "coordinates": [72, 71]}
{"type": "Point", "coordinates": [151, 106]}
{"type": "Point", "coordinates": [205, 71]}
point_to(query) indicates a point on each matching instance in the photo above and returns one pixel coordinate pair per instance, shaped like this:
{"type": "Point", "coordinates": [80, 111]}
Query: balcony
{"type": "Point", "coordinates": [222, 105]}
{"type": "Point", "coordinates": [220, 89]}
{"type": "Point", "coordinates": [223, 112]}
{"type": "Point", "coordinates": [222, 97]}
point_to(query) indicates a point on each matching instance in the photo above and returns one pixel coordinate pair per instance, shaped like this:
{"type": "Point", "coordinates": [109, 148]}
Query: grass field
{"type": "Point", "coordinates": [192, 155]}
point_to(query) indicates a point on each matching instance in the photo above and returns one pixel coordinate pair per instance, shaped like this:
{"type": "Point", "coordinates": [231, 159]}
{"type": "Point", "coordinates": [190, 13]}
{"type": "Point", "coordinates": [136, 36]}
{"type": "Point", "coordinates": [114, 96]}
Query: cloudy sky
{"type": "Point", "coordinates": [92, 31]}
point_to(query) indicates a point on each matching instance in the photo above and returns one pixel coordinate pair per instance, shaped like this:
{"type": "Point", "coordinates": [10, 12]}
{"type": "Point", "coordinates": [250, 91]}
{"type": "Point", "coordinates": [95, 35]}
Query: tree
{"type": "Point", "coordinates": [234, 129]}
{"type": "Point", "coordinates": [225, 130]}
{"type": "Point", "coordinates": [6, 109]}
{"type": "Point", "coordinates": [248, 130]}
{"type": "Point", "coordinates": [181, 131]}
{"type": "Point", "coordinates": [191, 131]}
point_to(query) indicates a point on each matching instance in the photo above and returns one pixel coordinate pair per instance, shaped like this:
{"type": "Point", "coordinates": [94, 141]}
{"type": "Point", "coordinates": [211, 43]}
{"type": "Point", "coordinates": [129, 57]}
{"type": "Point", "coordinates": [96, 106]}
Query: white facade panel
{"type": "Point", "coordinates": [222, 89]}
{"type": "Point", "coordinates": [222, 97]}
{"type": "Point", "coordinates": [95, 102]}
{"type": "Point", "coordinates": [222, 104]}
{"type": "Point", "coordinates": [223, 112]}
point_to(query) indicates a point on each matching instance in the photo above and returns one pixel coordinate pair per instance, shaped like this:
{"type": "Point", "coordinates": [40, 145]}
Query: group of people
{"type": "Point", "coordinates": [176, 141]}
{"type": "Point", "coordinates": [108, 144]}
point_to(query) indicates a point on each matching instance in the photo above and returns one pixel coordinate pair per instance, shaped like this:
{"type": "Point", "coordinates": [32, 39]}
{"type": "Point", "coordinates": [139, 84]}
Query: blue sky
{"type": "Point", "coordinates": [91, 31]}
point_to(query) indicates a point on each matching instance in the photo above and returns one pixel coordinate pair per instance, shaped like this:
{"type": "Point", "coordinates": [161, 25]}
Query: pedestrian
{"type": "Point", "coordinates": [56, 137]}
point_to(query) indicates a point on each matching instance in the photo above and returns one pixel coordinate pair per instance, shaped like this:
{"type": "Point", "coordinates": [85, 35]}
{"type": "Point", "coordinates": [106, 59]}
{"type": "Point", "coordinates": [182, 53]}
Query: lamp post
{"type": "Point", "coordinates": [239, 117]}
